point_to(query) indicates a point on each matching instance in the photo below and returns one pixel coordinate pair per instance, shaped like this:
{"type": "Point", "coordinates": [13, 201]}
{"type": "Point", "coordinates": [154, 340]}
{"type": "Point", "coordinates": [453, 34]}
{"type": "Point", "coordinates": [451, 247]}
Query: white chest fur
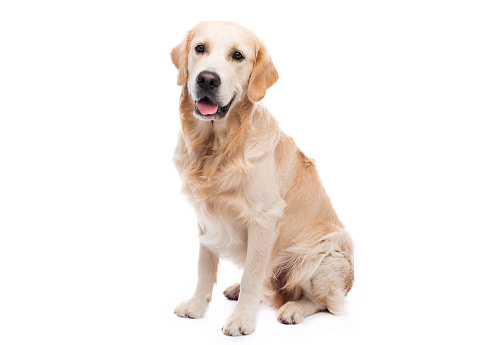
{"type": "Point", "coordinates": [221, 234]}
{"type": "Point", "coordinates": [239, 198]}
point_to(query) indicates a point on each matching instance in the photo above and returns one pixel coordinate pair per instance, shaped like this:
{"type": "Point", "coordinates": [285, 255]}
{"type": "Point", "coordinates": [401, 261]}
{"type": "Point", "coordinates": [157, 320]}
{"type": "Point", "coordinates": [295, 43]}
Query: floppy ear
{"type": "Point", "coordinates": [179, 57]}
{"type": "Point", "coordinates": [263, 76]}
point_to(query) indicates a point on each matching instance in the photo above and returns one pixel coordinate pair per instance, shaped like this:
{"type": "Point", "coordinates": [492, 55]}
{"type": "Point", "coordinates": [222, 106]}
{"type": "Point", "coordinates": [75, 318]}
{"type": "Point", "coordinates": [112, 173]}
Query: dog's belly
{"type": "Point", "coordinates": [226, 237]}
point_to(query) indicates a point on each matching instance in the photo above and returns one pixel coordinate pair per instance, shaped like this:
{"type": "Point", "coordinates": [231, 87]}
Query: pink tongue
{"type": "Point", "coordinates": [206, 107]}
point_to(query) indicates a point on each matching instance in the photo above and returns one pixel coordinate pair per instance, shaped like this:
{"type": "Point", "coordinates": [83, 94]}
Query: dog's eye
{"type": "Point", "coordinates": [238, 56]}
{"type": "Point", "coordinates": [200, 48]}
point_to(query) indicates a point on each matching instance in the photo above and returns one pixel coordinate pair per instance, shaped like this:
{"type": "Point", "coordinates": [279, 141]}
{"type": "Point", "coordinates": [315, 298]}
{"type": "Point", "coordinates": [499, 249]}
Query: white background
{"type": "Point", "coordinates": [398, 102]}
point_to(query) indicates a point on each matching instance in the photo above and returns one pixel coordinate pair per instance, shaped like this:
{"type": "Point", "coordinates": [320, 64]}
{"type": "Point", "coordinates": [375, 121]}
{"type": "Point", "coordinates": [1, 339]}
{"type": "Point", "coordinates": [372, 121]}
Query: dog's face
{"type": "Point", "coordinates": [220, 63]}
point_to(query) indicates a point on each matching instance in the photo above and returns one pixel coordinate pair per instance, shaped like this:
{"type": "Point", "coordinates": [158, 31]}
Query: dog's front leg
{"type": "Point", "coordinates": [260, 242]}
{"type": "Point", "coordinates": [195, 307]}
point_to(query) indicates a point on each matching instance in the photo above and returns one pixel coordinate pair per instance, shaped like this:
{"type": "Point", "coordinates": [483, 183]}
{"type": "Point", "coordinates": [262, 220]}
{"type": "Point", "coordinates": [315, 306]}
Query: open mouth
{"type": "Point", "coordinates": [210, 110]}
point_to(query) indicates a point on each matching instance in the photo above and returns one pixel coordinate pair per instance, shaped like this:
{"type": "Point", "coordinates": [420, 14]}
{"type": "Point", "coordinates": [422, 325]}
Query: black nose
{"type": "Point", "coordinates": [208, 80]}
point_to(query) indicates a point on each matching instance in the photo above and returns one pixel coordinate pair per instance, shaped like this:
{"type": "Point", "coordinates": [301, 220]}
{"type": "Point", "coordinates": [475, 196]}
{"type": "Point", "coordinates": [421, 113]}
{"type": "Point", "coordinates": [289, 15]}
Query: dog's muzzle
{"type": "Point", "coordinates": [207, 106]}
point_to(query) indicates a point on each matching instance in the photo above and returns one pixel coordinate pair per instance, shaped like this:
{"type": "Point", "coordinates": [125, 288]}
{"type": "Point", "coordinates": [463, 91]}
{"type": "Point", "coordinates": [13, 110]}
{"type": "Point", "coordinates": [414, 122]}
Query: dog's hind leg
{"type": "Point", "coordinates": [334, 277]}
{"type": "Point", "coordinates": [326, 290]}
{"type": "Point", "coordinates": [330, 280]}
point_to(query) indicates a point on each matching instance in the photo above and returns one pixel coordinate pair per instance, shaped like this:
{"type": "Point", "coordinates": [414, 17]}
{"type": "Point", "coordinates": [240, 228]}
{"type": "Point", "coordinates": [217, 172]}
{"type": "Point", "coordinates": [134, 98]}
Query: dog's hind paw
{"type": "Point", "coordinates": [232, 292]}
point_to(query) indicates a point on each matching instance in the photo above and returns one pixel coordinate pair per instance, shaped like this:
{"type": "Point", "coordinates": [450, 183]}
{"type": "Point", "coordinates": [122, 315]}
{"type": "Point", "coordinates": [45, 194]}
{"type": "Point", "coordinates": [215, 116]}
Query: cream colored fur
{"type": "Point", "coordinates": [258, 199]}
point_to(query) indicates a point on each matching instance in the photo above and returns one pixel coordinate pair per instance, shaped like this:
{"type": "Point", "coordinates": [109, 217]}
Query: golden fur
{"type": "Point", "coordinates": [258, 198]}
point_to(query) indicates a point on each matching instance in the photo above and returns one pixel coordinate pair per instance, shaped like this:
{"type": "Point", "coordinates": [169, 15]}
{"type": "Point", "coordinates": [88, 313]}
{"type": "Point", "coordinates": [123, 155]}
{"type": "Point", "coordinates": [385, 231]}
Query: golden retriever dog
{"type": "Point", "coordinates": [258, 199]}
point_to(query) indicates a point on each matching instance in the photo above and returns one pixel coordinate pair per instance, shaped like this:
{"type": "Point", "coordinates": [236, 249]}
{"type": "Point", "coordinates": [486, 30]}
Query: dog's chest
{"type": "Point", "coordinates": [230, 197]}
{"type": "Point", "coordinates": [221, 229]}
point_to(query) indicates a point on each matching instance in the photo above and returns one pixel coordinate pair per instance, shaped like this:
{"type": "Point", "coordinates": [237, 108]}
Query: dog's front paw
{"type": "Point", "coordinates": [192, 308]}
{"type": "Point", "coordinates": [239, 325]}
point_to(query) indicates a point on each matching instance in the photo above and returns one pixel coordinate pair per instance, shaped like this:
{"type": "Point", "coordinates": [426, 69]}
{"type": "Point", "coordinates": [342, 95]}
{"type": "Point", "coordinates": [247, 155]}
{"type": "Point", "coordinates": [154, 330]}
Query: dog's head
{"type": "Point", "coordinates": [222, 63]}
